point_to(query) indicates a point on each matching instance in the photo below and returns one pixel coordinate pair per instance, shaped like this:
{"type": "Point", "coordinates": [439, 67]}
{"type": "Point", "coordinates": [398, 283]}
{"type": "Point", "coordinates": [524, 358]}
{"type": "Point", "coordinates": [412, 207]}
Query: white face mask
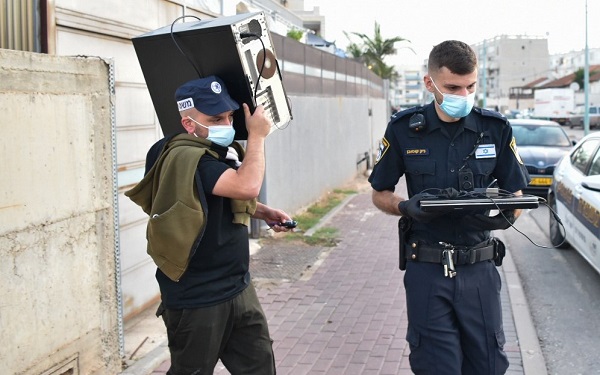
{"type": "Point", "coordinates": [456, 106]}
{"type": "Point", "coordinates": [219, 134]}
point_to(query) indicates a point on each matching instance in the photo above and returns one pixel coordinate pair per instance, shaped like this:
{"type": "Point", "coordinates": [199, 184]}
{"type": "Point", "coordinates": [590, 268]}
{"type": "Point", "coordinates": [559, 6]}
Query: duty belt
{"type": "Point", "coordinates": [449, 255]}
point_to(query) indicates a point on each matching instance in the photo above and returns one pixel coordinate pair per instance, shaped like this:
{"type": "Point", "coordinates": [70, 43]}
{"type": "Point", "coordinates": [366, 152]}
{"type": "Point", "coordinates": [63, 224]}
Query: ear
{"type": "Point", "coordinates": [428, 84]}
{"type": "Point", "coordinates": [188, 125]}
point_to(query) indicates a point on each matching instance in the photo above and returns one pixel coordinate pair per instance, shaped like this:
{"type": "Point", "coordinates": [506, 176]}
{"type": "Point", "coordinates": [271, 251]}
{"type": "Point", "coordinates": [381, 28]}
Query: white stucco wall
{"type": "Point", "coordinates": [318, 151]}
{"type": "Point", "coordinates": [57, 237]}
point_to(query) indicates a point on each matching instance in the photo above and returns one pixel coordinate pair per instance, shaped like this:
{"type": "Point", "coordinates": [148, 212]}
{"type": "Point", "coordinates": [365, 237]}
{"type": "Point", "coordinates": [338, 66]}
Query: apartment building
{"type": "Point", "coordinates": [508, 61]}
{"type": "Point", "coordinates": [408, 89]}
{"type": "Point", "coordinates": [563, 64]}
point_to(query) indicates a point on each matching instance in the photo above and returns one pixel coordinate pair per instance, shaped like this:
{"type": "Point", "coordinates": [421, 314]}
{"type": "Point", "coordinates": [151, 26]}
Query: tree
{"type": "Point", "coordinates": [295, 34]}
{"type": "Point", "coordinates": [374, 50]}
{"type": "Point", "coordinates": [579, 76]}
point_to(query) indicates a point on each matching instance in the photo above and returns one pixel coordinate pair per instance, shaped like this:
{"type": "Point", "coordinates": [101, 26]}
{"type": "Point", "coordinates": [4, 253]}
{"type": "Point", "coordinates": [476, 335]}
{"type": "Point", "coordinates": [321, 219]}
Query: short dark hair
{"type": "Point", "coordinates": [455, 55]}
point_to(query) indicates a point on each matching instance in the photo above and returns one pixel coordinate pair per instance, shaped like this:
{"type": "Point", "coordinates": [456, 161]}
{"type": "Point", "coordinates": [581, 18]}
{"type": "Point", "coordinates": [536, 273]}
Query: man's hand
{"type": "Point", "coordinates": [412, 208]}
{"type": "Point", "coordinates": [273, 217]}
{"type": "Point", "coordinates": [503, 220]}
{"type": "Point", "coordinates": [246, 181]}
{"type": "Point", "coordinates": [257, 123]}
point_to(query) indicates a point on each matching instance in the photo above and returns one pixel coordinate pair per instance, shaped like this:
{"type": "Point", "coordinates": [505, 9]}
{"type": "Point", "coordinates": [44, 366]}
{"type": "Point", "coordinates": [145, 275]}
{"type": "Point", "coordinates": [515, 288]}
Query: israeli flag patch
{"type": "Point", "coordinates": [485, 151]}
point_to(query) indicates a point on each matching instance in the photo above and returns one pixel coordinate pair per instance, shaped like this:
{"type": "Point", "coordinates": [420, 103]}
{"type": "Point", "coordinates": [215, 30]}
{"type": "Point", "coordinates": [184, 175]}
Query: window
{"type": "Point", "coordinates": [595, 167]}
{"type": "Point", "coordinates": [22, 25]}
{"type": "Point", "coordinates": [540, 136]}
{"type": "Point", "coordinates": [581, 157]}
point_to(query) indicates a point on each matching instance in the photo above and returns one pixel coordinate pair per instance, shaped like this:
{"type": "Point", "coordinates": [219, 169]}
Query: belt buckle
{"type": "Point", "coordinates": [447, 261]}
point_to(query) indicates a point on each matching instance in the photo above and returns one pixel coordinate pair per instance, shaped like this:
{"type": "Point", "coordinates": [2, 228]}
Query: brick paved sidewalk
{"type": "Point", "coordinates": [347, 314]}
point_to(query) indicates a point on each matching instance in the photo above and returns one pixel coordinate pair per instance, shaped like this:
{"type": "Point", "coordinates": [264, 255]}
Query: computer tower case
{"type": "Point", "coordinates": [235, 48]}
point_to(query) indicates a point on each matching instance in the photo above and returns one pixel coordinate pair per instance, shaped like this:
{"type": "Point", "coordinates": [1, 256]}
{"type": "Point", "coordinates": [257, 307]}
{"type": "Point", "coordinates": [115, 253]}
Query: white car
{"type": "Point", "coordinates": [575, 197]}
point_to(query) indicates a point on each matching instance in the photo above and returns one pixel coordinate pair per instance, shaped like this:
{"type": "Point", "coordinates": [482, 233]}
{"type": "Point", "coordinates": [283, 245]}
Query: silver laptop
{"type": "Point", "coordinates": [443, 204]}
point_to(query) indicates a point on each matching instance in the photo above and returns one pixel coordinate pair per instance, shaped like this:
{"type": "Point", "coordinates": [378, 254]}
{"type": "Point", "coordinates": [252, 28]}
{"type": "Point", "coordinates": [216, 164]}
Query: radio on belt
{"type": "Point", "coordinates": [238, 49]}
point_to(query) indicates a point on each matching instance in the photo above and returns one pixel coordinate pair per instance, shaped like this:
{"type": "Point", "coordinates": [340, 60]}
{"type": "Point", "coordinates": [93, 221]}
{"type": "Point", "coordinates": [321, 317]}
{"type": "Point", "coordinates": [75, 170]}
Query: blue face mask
{"type": "Point", "coordinates": [456, 106]}
{"type": "Point", "coordinates": [219, 134]}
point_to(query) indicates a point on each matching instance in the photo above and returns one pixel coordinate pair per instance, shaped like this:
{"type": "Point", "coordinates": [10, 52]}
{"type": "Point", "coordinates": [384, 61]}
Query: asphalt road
{"type": "Point", "coordinates": [563, 292]}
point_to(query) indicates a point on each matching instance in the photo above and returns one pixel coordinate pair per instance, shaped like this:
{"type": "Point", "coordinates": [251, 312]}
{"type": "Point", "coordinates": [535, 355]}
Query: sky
{"type": "Point", "coordinates": [428, 22]}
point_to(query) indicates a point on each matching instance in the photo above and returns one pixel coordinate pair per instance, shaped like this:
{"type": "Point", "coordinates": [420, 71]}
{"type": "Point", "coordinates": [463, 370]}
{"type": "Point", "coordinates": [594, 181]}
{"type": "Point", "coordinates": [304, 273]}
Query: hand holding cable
{"type": "Point", "coordinates": [503, 220]}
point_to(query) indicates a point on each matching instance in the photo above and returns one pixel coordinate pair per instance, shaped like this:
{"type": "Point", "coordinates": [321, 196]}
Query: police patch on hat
{"type": "Point", "coordinates": [208, 95]}
{"type": "Point", "coordinates": [384, 145]}
{"type": "Point", "coordinates": [513, 147]}
{"type": "Point", "coordinates": [216, 87]}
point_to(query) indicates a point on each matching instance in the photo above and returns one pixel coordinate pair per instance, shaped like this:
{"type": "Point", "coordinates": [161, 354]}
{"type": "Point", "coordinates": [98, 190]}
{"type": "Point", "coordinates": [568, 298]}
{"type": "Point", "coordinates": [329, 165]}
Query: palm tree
{"type": "Point", "coordinates": [579, 77]}
{"type": "Point", "coordinates": [374, 50]}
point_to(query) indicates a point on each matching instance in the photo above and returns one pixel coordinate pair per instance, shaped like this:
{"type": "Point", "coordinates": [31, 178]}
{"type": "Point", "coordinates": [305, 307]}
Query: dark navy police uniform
{"type": "Point", "coordinates": [455, 324]}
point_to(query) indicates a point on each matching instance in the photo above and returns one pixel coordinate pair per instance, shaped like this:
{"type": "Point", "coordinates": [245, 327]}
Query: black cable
{"type": "Point", "coordinates": [542, 201]}
{"type": "Point", "coordinates": [442, 193]}
{"type": "Point", "coordinates": [179, 48]}
{"type": "Point", "coordinates": [477, 142]}
{"type": "Point", "coordinates": [260, 72]}
{"type": "Point", "coordinates": [264, 49]}
{"type": "Point", "coordinates": [558, 220]}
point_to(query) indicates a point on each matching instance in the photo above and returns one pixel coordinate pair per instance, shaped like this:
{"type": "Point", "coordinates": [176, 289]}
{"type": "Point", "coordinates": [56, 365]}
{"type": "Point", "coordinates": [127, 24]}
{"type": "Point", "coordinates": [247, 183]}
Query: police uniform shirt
{"type": "Point", "coordinates": [431, 158]}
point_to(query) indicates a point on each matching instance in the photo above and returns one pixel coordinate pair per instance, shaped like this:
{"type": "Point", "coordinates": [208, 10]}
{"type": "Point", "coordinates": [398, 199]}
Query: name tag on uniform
{"type": "Point", "coordinates": [416, 151]}
{"type": "Point", "coordinates": [485, 151]}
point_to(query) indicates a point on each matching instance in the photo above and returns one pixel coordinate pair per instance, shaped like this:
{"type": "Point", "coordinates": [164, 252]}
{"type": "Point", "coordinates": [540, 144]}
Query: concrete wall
{"type": "Point", "coordinates": [318, 151]}
{"type": "Point", "coordinates": [58, 308]}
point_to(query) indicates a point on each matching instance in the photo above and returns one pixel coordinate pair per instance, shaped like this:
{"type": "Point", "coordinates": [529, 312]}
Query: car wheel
{"type": "Point", "coordinates": [557, 237]}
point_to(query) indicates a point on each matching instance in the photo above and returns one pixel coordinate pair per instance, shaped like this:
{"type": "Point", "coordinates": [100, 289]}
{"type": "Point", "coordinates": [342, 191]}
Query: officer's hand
{"type": "Point", "coordinates": [503, 220]}
{"type": "Point", "coordinates": [412, 208]}
{"type": "Point", "coordinates": [257, 123]}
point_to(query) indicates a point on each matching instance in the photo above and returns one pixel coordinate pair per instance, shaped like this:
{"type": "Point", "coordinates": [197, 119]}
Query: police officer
{"type": "Point", "coordinates": [449, 147]}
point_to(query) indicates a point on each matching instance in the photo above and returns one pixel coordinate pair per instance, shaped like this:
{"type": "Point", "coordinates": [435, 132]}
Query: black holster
{"type": "Point", "coordinates": [160, 310]}
{"type": "Point", "coordinates": [404, 225]}
{"type": "Point", "coordinates": [499, 250]}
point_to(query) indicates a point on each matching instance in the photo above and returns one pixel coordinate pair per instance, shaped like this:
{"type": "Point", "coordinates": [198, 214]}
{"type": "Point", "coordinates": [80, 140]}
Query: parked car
{"type": "Point", "coordinates": [541, 144]}
{"type": "Point", "coordinates": [575, 197]}
{"type": "Point", "coordinates": [576, 119]}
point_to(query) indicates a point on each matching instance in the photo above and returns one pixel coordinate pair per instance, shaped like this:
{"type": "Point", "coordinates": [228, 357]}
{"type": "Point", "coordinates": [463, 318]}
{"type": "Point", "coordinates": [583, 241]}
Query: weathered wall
{"type": "Point", "coordinates": [57, 237]}
{"type": "Point", "coordinates": [318, 151]}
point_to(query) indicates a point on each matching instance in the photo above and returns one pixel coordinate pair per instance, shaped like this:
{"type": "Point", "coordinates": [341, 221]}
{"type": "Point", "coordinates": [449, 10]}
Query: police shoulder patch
{"type": "Point", "coordinates": [384, 145]}
{"type": "Point", "coordinates": [513, 147]}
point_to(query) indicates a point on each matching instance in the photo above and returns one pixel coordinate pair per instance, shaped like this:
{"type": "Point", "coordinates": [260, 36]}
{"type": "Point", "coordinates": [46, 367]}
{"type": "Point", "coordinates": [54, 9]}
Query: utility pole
{"type": "Point", "coordinates": [484, 86]}
{"type": "Point", "coordinates": [586, 79]}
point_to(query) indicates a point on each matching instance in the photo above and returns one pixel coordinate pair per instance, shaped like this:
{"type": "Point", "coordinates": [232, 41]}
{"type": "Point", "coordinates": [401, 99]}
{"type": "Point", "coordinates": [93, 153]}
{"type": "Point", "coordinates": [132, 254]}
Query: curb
{"type": "Point", "coordinates": [529, 344]}
{"type": "Point", "coordinates": [325, 219]}
{"type": "Point", "coordinates": [148, 363]}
